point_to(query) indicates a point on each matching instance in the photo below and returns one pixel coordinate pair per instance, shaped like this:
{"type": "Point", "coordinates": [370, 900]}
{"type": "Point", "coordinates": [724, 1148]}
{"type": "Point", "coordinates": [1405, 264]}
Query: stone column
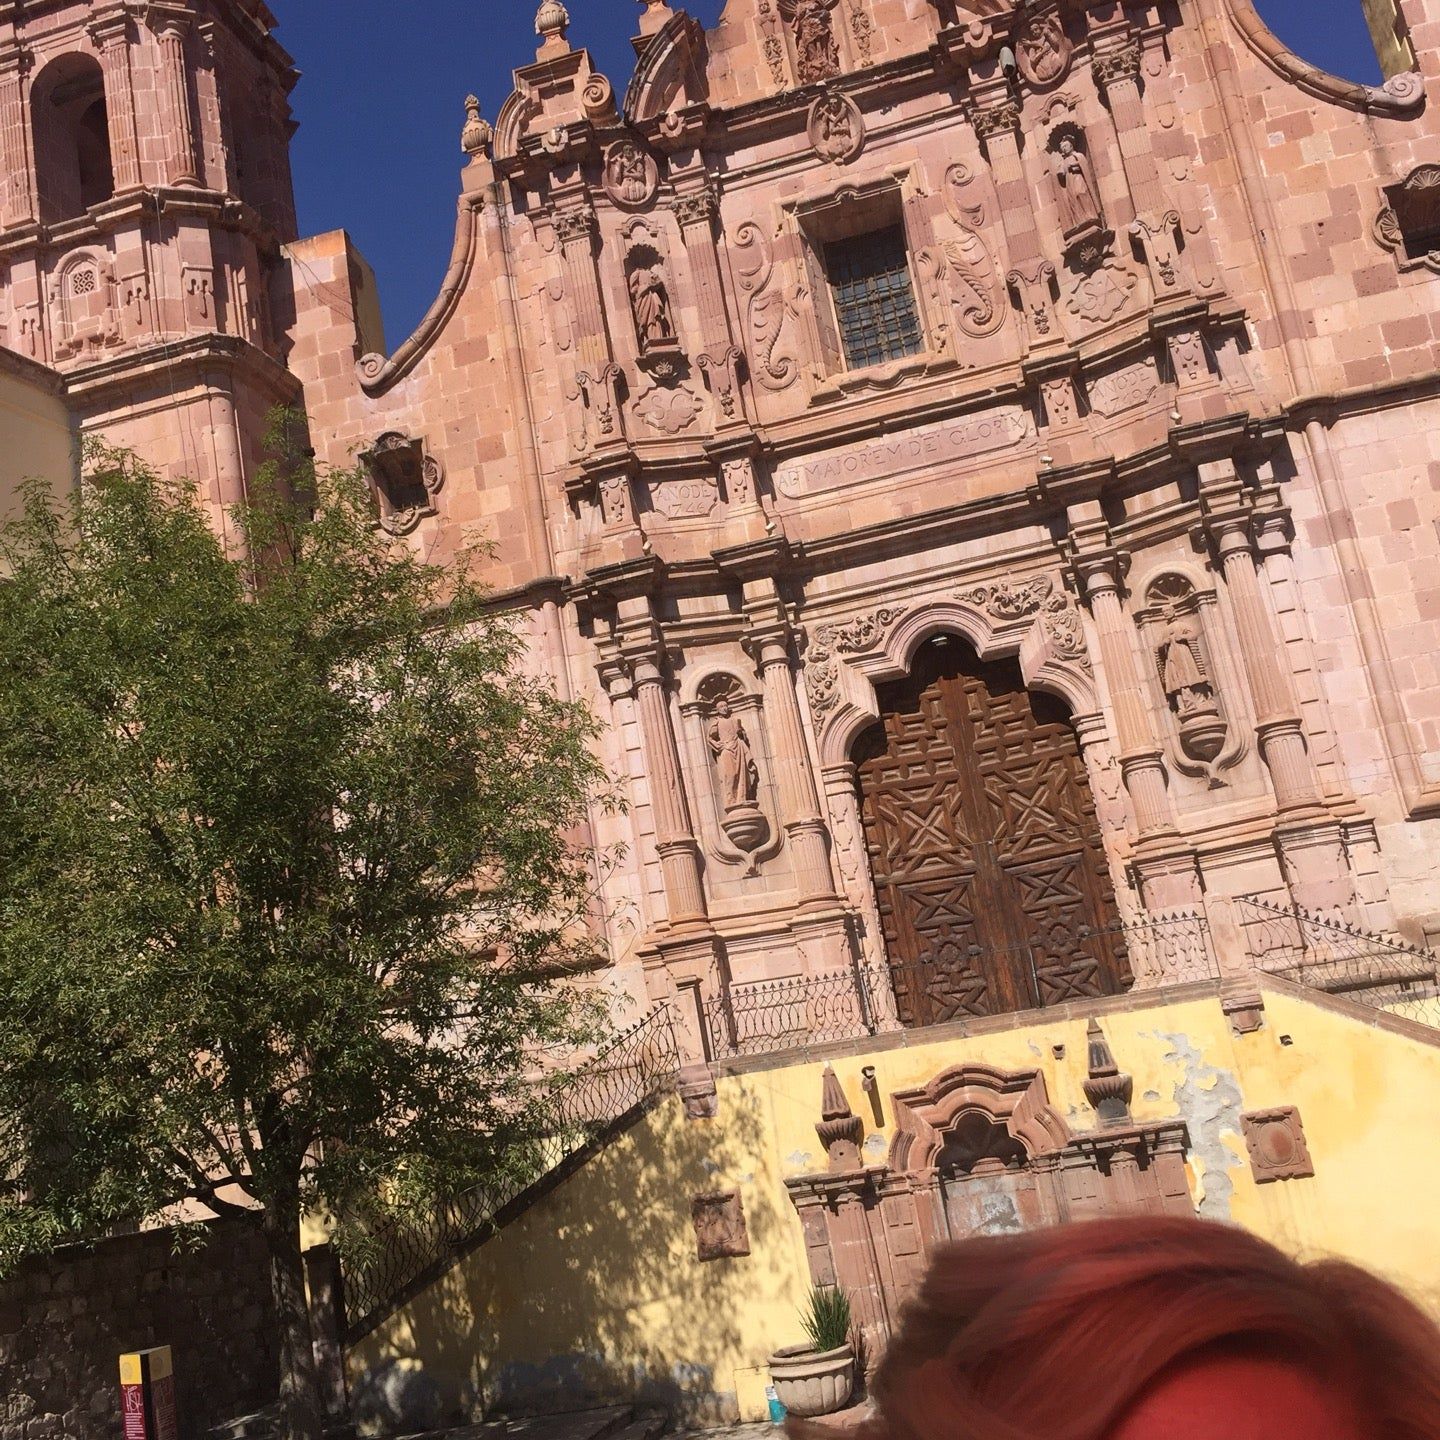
{"type": "Point", "coordinates": [674, 830]}
{"type": "Point", "coordinates": [1140, 757]}
{"type": "Point", "coordinates": [719, 356]}
{"type": "Point", "coordinates": [15, 62]}
{"type": "Point", "coordinates": [112, 36]}
{"type": "Point", "coordinates": [1282, 737]}
{"type": "Point", "coordinates": [170, 26]}
{"type": "Point", "coordinates": [798, 800]}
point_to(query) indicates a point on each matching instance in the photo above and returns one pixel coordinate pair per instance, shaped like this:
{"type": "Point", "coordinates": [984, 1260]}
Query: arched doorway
{"type": "Point", "coordinates": [989, 870]}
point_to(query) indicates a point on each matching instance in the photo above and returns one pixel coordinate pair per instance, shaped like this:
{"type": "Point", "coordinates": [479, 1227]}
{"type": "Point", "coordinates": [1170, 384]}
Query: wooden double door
{"type": "Point", "coordinates": [989, 869]}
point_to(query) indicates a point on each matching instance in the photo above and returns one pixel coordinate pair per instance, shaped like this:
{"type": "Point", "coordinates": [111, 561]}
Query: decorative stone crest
{"type": "Point", "coordinates": [404, 479]}
{"type": "Point", "coordinates": [836, 128]}
{"type": "Point", "coordinates": [1103, 293]}
{"type": "Point", "coordinates": [668, 409]}
{"type": "Point", "coordinates": [1042, 49]}
{"type": "Point", "coordinates": [631, 174]}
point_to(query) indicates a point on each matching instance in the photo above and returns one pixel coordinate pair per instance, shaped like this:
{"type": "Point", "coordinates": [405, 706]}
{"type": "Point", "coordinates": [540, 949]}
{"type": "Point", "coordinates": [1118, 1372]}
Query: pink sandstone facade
{"type": "Point", "coordinates": [980, 459]}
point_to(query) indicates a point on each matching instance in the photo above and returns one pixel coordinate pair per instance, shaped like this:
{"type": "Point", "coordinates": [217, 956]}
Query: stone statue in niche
{"type": "Point", "coordinates": [650, 300]}
{"type": "Point", "coordinates": [816, 55]}
{"type": "Point", "coordinates": [1075, 188]}
{"type": "Point", "coordinates": [1185, 674]}
{"type": "Point", "coordinates": [735, 772]}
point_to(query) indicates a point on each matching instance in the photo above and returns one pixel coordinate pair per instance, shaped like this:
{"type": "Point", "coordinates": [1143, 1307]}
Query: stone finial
{"type": "Point", "coordinates": [656, 15]}
{"type": "Point", "coordinates": [551, 22]}
{"type": "Point", "coordinates": [1107, 1087]}
{"type": "Point", "coordinates": [840, 1129]}
{"type": "Point", "coordinates": [475, 137]}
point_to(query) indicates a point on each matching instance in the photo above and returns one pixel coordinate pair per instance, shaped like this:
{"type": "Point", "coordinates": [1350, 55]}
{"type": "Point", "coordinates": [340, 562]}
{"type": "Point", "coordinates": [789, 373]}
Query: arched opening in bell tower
{"type": "Point", "coordinates": [990, 871]}
{"type": "Point", "coordinates": [72, 138]}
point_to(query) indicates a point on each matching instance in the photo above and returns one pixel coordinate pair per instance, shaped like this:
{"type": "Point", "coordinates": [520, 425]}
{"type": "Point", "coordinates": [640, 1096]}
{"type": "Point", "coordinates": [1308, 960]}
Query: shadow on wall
{"type": "Point", "coordinates": [1342, 44]}
{"type": "Point", "coordinates": [596, 1294]}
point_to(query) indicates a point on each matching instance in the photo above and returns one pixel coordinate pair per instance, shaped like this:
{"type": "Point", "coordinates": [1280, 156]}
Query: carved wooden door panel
{"type": "Point", "coordinates": [986, 852]}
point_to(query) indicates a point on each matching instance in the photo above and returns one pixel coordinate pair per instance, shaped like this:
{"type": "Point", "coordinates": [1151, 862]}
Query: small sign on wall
{"type": "Point", "coordinates": [720, 1232]}
{"type": "Point", "coordinates": [147, 1394]}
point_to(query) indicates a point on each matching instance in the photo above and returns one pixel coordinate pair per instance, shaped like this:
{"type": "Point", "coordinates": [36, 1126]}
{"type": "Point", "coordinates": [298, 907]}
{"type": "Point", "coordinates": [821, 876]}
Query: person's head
{"type": "Point", "coordinates": [1154, 1329]}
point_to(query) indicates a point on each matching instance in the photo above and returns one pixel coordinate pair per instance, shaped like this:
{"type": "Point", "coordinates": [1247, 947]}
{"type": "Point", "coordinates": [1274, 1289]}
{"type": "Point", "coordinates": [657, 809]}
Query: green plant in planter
{"type": "Point", "coordinates": [826, 1318]}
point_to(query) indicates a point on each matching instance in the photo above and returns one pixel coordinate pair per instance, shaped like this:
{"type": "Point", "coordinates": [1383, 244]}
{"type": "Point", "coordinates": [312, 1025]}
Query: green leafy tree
{"type": "Point", "coordinates": [289, 883]}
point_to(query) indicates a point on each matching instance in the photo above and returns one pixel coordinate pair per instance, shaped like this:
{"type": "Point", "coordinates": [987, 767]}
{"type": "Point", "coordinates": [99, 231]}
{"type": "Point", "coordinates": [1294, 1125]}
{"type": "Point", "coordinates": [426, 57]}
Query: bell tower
{"type": "Point", "coordinates": [144, 146]}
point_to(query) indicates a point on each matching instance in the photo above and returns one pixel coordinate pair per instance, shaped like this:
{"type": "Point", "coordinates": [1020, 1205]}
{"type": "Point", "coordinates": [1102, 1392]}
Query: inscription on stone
{"type": "Point", "coordinates": [911, 450]}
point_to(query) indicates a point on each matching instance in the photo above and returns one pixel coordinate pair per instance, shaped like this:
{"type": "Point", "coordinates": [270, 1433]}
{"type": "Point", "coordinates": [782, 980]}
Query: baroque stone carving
{"type": "Point", "coordinates": [817, 57]}
{"type": "Point", "coordinates": [1275, 1141]}
{"type": "Point", "coordinates": [1034, 288]}
{"type": "Point", "coordinates": [1042, 49]}
{"type": "Point", "coordinates": [771, 45]}
{"type": "Point", "coordinates": [992, 120]}
{"type": "Point", "coordinates": [836, 128]}
{"type": "Point", "coordinates": [404, 480]}
{"type": "Point", "coordinates": [720, 1232]}
{"type": "Point", "coordinates": [475, 136]}
{"type": "Point", "coordinates": [1076, 192]}
{"type": "Point", "coordinates": [962, 271]}
{"type": "Point", "coordinates": [1103, 293]}
{"type": "Point", "coordinates": [1186, 675]}
{"type": "Point", "coordinates": [739, 478]}
{"type": "Point", "coordinates": [735, 775]}
{"type": "Point", "coordinates": [1116, 65]}
{"type": "Point", "coordinates": [697, 208]}
{"type": "Point", "coordinates": [1409, 223]}
{"type": "Point", "coordinates": [84, 316]}
{"type": "Point", "coordinates": [1006, 601]}
{"type": "Point", "coordinates": [668, 409]}
{"type": "Point", "coordinates": [822, 666]}
{"type": "Point", "coordinates": [631, 174]}
{"type": "Point", "coordinates": [862, 27]}
{"type": "Point", "coordinates": [766, 308]}
{"type": "Point", "coordinates": [1065, 630]}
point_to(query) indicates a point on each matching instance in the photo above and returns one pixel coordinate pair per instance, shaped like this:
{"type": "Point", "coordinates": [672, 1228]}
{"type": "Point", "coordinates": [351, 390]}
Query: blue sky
{"type": "Point", "coordinates": [380, 108]}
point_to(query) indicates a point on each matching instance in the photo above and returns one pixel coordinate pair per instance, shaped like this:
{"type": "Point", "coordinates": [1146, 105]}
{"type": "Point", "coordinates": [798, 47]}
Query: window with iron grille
{"type": "Point", "coordinates": [874, 299]}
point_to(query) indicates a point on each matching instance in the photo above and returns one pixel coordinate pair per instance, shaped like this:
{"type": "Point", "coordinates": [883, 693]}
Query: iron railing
{"type": "Point", "coordinates": [1342, 959]}
{"type": "Point", "coordinates": [768, 1016]}
{"type": "Point", "coordinates": [401, 1256]}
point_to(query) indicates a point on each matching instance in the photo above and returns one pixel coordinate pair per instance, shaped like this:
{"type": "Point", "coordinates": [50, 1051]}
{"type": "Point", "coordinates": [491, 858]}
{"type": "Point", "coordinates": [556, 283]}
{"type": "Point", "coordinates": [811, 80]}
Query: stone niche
{"type": "Point", "coordinates": [976, 1151]}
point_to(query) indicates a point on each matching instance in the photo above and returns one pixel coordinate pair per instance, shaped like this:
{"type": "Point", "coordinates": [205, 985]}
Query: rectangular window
{"type": "Point", "coordinates": [874, 300]}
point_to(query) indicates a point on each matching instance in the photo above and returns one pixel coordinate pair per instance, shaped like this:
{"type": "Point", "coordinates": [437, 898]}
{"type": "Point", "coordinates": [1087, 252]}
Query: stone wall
{"type": "Point", "coordinates": [64, 1323]}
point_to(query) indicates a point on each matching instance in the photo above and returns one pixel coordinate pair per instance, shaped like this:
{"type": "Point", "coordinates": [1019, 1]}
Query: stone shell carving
{"type": "Point", "coordinates": [1412, 210]}
{"type": "Point", "coordinates": [631, 174]}
{"type": "Point", "coordinates": [836, 128]}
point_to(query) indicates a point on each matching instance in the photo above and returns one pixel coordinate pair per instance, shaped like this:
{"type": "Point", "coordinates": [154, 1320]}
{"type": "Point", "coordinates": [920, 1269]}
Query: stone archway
{"type": "Point", "coordinates": [990, 872]}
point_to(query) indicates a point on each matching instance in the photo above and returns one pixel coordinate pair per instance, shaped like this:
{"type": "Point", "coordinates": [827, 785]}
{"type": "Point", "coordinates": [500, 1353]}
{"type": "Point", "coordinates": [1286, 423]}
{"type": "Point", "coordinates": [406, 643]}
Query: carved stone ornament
{"type": "Point", "coordinates": [1119, 390]}
{"type": "Point", "coordinates": [631, 174]}
{"type": "Point", "coordinates": [1034, 287]}
{"type": "Point", "coordinates": [1275, 1140]}
{"type": "Point", "coordinates": [822, 667]}
{"type": "Point", "coordinates": [720, 1232]}
{"type": "Point", "coordinates": [475, 136]}
{"type": "Point", "coordinates": [771, 45]}
{"type": "Point", "coordinates": [404, 480]}
{"type": "Point", "coordinates": [767, 307]}
{"type": "Point", "coordinates": [698, 208]}
{"type": "Point", "coordinates": [812, 29]}
{"type": "Point", "coordinates": [1409, 223]}
{"type": "Point", "coordinates": [991, 120]}
{"type": "Point", "coordinates": [685, 499]}
{"type": "Point", "coordinates": [840, 1129]}
{"type": "Point", "coordinates": [576, 224]}
{"type": "Point", "coordinates": [1007, 601]}
{"type": "Point", "coordinates": [668, 409]}
{"type": "Point", "coordinates": [735, 775]}
{"type": "Point", "coordinates": [836, 128]}
{"type": "Point", "coordinates": [963, 271]}
{"type": "Point", "coordinates": [1042, 49]}
{"type": "Point", "coordinates": [1186, 677]}
{"type": "Point", "coordinates": [1077, 195]}
{"type": "Point", "coordinates": [84, 316]}
{"type": "Point", "coordinates": [1103, 293]}
{"type": "Point", "coordinates": [862, 29]}
{"type": "Point", "coordinates": [1113, 66]}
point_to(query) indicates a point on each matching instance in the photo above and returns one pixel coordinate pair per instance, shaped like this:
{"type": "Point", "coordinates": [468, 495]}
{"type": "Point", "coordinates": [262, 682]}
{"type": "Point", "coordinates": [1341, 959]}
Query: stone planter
{"type": "Point", "coordinates": [813, 1382]}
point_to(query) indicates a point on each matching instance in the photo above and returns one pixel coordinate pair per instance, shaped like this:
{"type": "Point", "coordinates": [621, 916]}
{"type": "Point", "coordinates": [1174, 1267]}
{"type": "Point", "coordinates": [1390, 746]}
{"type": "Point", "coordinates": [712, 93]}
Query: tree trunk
{"type": "Point", "coordinates": [301, 1410]}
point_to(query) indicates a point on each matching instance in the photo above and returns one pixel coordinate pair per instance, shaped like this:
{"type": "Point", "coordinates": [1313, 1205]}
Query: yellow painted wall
{"type": "Point", "coordinates": [36, 435]}
{"type": "Point", "coordinates": [596, 1292]}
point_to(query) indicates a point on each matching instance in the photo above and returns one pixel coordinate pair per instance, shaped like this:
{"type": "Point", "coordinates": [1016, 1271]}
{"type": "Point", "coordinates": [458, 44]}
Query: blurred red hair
{"type": "Point", "coordinates": [1054, 1334]}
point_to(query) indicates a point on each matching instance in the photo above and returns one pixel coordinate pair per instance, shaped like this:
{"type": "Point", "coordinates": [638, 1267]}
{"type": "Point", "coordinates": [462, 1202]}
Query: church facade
{"type": "Point", "coordinates": [981, 460]}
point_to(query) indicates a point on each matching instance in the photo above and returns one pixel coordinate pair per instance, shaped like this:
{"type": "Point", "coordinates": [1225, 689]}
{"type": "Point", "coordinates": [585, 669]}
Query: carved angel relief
{"type": "Point", "coordinates": [812, 27]}
{"type": "Point", "coordinates": [631, 175]}
{"type": "Point", "coordinates": [1042, 49]}
{"type": "Point", "coordinates": [836, 128]}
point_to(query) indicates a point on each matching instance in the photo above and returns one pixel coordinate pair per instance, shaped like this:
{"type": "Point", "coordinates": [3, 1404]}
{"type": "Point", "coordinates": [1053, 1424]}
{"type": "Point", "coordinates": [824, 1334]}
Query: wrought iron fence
{"type": "Point", "coordinates": [1342, 959]}
{"type": "Point", "coordinates": [767, 1016]}
{"type": "Point", "coordinates": [399, 1257]}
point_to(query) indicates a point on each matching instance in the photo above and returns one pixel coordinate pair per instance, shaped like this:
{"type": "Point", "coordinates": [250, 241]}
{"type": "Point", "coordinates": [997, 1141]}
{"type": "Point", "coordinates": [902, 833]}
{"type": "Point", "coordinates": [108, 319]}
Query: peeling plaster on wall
{"type": "Point", "coordinates": [1152, 1095]}
{"type": "Point", "coordinates": [1209, 1101]}
{"type": "Point", "coordinates": [876, 1145]}
{"type": "Point", "coordinates": [800, 1160]}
